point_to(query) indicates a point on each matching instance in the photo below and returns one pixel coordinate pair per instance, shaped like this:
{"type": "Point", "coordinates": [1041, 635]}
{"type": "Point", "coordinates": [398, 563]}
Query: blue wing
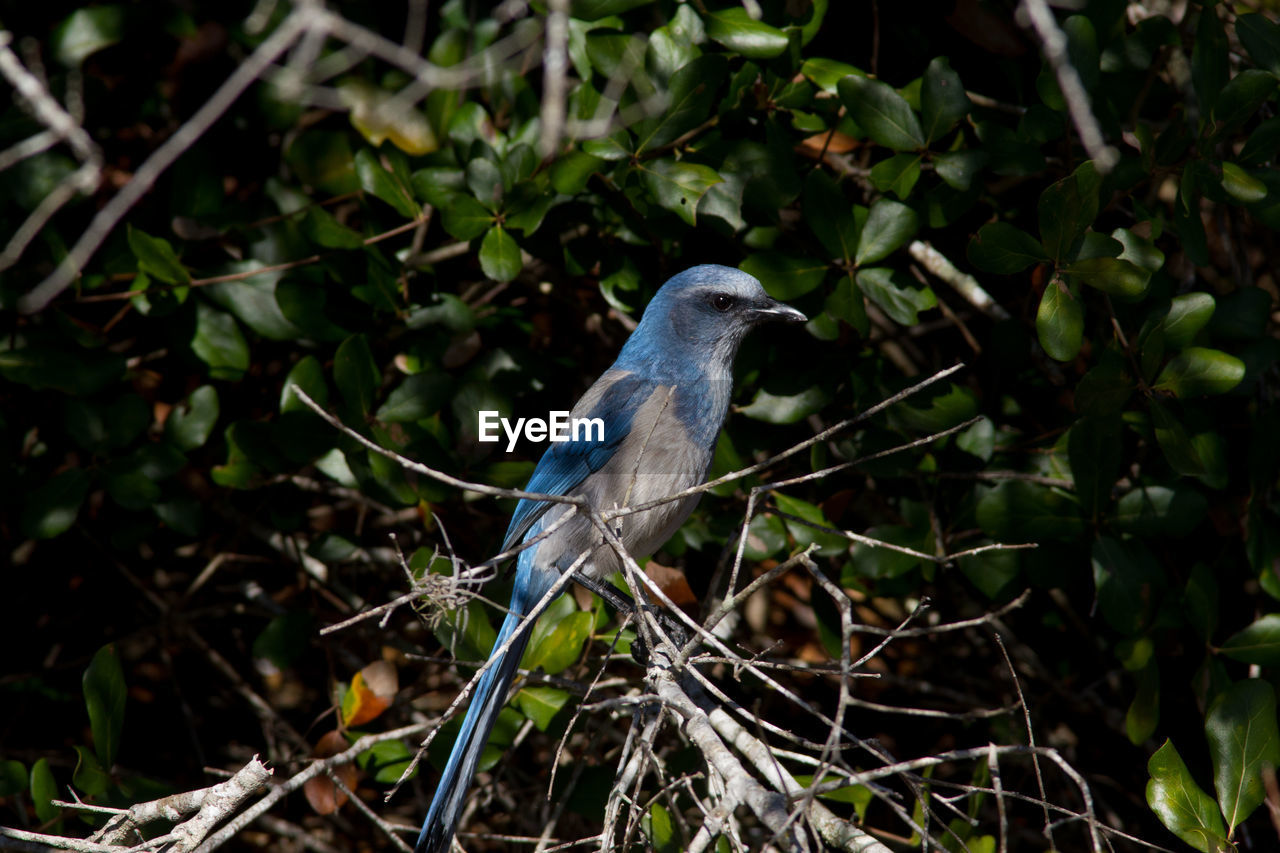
{"type": "Point", "coordinates": [566, 464]}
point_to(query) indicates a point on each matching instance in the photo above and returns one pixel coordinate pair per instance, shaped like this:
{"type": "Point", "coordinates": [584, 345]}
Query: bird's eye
{"type": "Point", "coordinates": [722, 301]}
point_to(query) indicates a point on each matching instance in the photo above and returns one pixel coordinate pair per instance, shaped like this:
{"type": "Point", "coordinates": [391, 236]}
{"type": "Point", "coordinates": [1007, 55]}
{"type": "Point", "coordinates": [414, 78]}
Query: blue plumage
{"type": "Point", "coordinates": [663, 402]}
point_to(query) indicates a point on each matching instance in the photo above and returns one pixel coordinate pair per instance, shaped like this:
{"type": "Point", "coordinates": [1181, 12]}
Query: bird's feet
{"type": "Point", "coordinates": [677, 633]}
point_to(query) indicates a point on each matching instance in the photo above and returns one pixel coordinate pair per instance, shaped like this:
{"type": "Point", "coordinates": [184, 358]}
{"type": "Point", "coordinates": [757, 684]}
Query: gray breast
{"type": "Point", "coordinates": [656, 459]}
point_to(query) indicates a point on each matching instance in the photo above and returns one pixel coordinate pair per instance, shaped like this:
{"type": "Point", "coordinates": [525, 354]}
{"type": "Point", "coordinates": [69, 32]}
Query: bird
{"type": "Point", "coordinates": [663, 402]}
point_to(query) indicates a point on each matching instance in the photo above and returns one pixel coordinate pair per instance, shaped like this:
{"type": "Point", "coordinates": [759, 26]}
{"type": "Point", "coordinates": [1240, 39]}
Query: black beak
{"type": "Point", "coordinates": [772, 309]}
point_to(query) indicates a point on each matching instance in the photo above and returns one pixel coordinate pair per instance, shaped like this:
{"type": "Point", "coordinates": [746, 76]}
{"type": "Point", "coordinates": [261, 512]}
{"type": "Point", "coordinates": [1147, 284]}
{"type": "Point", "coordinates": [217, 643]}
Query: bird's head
{"type": "Point", "coordinates": [696, 321]}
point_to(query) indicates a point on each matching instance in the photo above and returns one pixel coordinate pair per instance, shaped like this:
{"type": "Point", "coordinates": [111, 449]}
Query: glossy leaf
{"type": "Point", "coordinates": [44, 789]}
{"type": "Point", "coordinates": [308, 375]}
{"type": "Point", "coordinates": [156, 257]}
{"type": "Point", "coordinates": [1094, 451]}
{"type": "Point", "coordinates": [679, 185]}
{"type": "Point", "coordinates": [1200, 371]}
{"type": "Point", "coordinates": [89, 777]}
{"type": "Point", "coordinates": [1241, 185]}
{"type": "Point", "coordinates": [785, 277]}
{"type": "Point", "coordinates": [1242, 732]}
{"type": "Point", "coordinates": [219, 343]}
{"type": "Point", "coordinates": [959, 168]}
{"type": "Point", "coordinates": [356, 374]}
{"type": "Point", "coordinates": [942, 99]}
{"type": "Point", "coordinates": [1066, 209]}
{"type": "Point", "coordinates": [1259, 643]}
{"type": "Point", "coordinates": [500, 255]}
{"type": "Point", "coordinates": [52, 508]}
{"type": "Point", "coordinates": [882, 113]}
{"type": "Point", "coordinates": [1182, 806]}
{"type": "Point", "coordinates": [889, 225]}
{"type": "Point", "coordinates": [540, 703]}
{"type": "Point", "coordinates": [691, 94]}
{"type": "Point", "coordinates": [104, 697]}
{"type": "Point", "coordinates": [557, 651]}
{"type": "Point", "coordinates": [1241, 98]}
{"type": "Point", "coordinates": [830, 215]}
{"type": "Point", "coordinates": [189, 426]}
{"type": "Point", "coordinates": [1110, 275]}
{"type": "Point", "coordinates": [1188, 314]}
{"type": "Point", "coordinates": [738, 31]}
{"type": "Point", "coordinates": [898, 174]}
{"type": "Point", "coordinates": [1261, 38]}
{"type": "Point", "coordinates": [379, 181]}
{"type": "Point", "coordinates": [1060, 322]}
{"type": "Point", "coordinates": [1001, 248]}
{"type": "Point", "coordinates": [86, 31]}
{"type": "Point", "coordinates": [417, 397]}
{"type": "Point", "coordinates": [1018, 511]}
{"type": "Point", "coordinates": [897, 294]}
{"type": "Point", "coordinates": [1159, 511]}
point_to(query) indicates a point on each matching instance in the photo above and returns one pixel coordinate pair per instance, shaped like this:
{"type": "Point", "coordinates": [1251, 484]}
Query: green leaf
{"type": "Point", "coordinates": [942, 99]}
{"type": "Point", "coordinates": [1200, 371]}
{"type": "Point", "coordinates": [660, 830]}
{"type": "Point", "coordinates": [13, 778]}
{"type": "Point", "coordinates": [679, 185]}
{"type": "Point", "coordinates": [882, 113]}
{"type": "Point", "coordinates": [541, 703]}
{"type": "Point", "coordinates": [1259, 643]}
{"type": "Point", "coordinates": [417, 397]}
{"type": "Point", "coordinates": [560, 648]}
{"type": "Point", "coordinates": [828, 543]}
{"type": "Point", "coordinates": [1186, 455]}
{"type": "Point", "coordinates": [1019, 511]}
{"type": "Point", "coordinates": [1138, 250]}
{"type": "Point", "coordinates": [85, 32]}
{"type": "Point", "coordinates": [1182, 806]}
{"type": "Point", "coordinates": [1241, 98]}
{"type": "Point", "coordinates": [570, 173]}
{"type": "Point", "coordinates": [500, 255]}
{"type": "Point", "coordinates": [999, 247]}
{"type": "Point", "coordinates": [691, 94]}
{"type": "Point", "coordinates": [1188, 314]}
{"type": "Point", "coordinates": [1243, 738]}
{"type": "Point", "coordinates": [44, 789]}
{"type": "Point", "coordinates": [1067, 208]}
{"type": "Point", "coordinates": [219, 343]}
{"type": "Point", "coordinates": [1209, 59]}
{"type": "Point", "coordinates": [89, 777]}
{"type": "Point", "coordinates": [1241, 185]}
{"type": "Point", "coordinates": [830, 215]}
{"type": "Point", "coordinates": [785, 277]}
{"type": "Point", "coordinates": [898, 174]}
{"type": "Point", "coordinates": [156, 257]}
{"type": "Point", "coordinates": [1143, 716]}
{"type": "Point", "coordinates": [1152, 511]}
{"type": "Point", "coordinates": [1106, 388]}
{"type": "Point", "coordinates": [826, 74]}
{"type": "Point", "coordinates": [284, 639]}
{"type": "Point", "coordinates": [594, 10]}
{"type": "Point", "coordinates": [52, 508]}
{"type": "Point", "coordinates": [739, 32]}
{"type": "Point", "coordinates": [1094, 451]}
{"type": "Point", "coordinates": [958, 168]}
{"type": "Point", "coordinates": [616, 146]}
{"type": "Point", "coordinates": [1128, 579]}
{"type": "Point", "coordinates": [189, 426]}
{"type": "Point", "coordinates": [387, 761]}
{"type": "Point", "coordinates": [356, 374]}
{"type": "Point", "coordinates": [889, 225]}
{"type": "Point", "coordinates": [466, 218]}
{"type": "Point", "coordinates": [1261, 38]}
{"type": "Point", "coordinates": [1060, 321]}
{"type": "Point", "coordinates": [321, 228]}
{"type": "Point", "coordinates": [1110, 275]}
{"type": "Point", "coordinates": [379, 181]}
{"type": "Point", "coordinates": [897, 294]}
{"type": "Point", "coordinates": [308, 375]}
{"type": "Point", "coordinates": [104, 695]}
{"type": "Point", "coordinates": [787, 409]}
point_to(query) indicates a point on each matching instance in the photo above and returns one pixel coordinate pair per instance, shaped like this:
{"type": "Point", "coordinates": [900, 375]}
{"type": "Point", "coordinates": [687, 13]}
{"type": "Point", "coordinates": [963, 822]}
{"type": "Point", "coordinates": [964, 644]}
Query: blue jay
{"type": "Point", "coordinates": [662, 402]}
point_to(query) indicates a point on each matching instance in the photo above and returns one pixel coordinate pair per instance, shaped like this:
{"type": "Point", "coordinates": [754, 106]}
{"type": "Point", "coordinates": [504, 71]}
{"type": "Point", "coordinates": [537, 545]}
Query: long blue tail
{"type": "Point", "coordinates": [489, 699]}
